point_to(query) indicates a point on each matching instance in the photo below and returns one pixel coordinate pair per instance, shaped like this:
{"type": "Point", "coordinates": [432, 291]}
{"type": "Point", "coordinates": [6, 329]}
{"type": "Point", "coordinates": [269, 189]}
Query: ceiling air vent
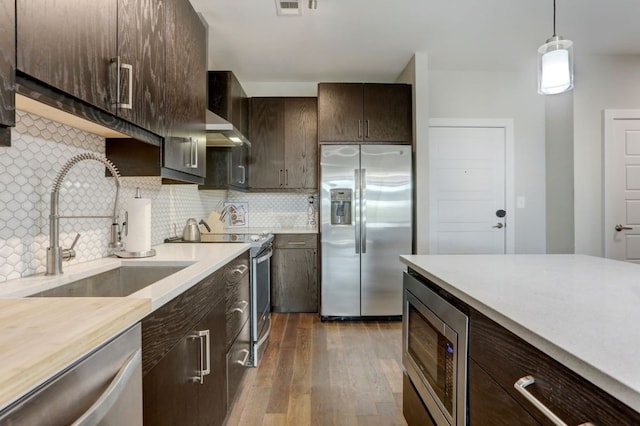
{"type": "Point", "coordinates": [288, 7]}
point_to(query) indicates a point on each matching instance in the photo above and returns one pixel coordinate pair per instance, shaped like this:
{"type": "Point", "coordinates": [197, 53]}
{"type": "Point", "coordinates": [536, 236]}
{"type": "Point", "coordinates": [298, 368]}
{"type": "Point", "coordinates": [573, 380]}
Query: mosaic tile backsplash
{"type": "Point", "coordinates": [40, 148]}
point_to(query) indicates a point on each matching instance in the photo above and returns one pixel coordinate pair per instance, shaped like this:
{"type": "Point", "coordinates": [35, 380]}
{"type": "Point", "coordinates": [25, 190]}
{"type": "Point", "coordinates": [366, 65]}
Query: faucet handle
{"type": "Point", "coordinates": [70, 253]}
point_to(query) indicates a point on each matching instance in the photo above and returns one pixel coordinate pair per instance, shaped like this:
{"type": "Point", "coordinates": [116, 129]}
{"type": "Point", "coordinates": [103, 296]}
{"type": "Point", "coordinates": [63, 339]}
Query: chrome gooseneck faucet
{"type": "Point", "coordinates": [55, 253]}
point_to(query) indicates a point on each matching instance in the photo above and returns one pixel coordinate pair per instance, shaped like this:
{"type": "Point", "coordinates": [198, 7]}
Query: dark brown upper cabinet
{"type": "Point", "coordinates": [7, 70]}
{"type": "Point", "coordinates": [70, 46]}
{"type": "Point", "coordinates": [186, 90]}
{"type": "Point", "coordinates": [141, 52]}
{"type": "Point", "coordinates": [371, 112]}
{"type": "Point", "coordinates": [227, 98]}
{"type": "Point", "coordinates": [284, 148]}
{"type": "Point", "coordinates": [109, 54]}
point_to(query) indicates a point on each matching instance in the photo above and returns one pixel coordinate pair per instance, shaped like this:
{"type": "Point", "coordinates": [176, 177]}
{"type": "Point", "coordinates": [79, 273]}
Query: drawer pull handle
{"type": "Point", "coordinates": [521, 386]}
{"type": "Point", "coordinates": [242, 269]}
{"type": "Point", "coordinates": [296, 243]}
{"type": "Point", "coordinates": [205, 355]}
{"type": "Point", "coordinates": [244, 305]}
{"type": "Point", "coordinates": [243, 362]}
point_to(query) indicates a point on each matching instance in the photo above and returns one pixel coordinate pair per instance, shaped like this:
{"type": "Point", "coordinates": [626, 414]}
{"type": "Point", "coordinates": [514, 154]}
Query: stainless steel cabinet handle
{"type": "Point", "coordinates": [359, 128]}
{"type": "Point", "coordinates": [296, 243]}
{"type": "Point", "coordinates": [105, 402]}
{"type": "Point", "coordinates": [244, 359]}
{"type": "Point", "coordinates": [194, 161]}
{"type": "Point", "coordinates": [244, 174]}
{"type": "Point", "coordinates": [244, 305]}
{"type": "Point", "coordinates": [498, 225]}
{"type": "Point", "coordinates": [521, 386]}
{"type": "Point", "coordinates": [241, 269]}
{"type": "Point", "coordinates": [619, 227]}
{"type": "Point", "coordinates": [366, 135]}
{"type": "Point", "coordinates": [205, 355]}
{"type": "Point", "coordinates": [280, 178]}
{"type": "Point", "coordinates": [129, 69]}
{"type": "Point", "coordinates": [286, 177]}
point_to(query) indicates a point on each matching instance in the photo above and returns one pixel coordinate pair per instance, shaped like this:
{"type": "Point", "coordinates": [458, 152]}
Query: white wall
{"type": "Point", "coordinates": [478, 94]}
{"type": "Point", "coordinates": [419, 66]}
{"type": "Point", "coordinates": [257, 89]}
{"type": "Point", "coordinates": [601, 82]}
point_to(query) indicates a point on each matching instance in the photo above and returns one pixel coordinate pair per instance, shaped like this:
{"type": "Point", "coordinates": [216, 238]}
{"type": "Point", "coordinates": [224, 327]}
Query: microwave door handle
{"type": "Point", "coordinates": [356, 227]}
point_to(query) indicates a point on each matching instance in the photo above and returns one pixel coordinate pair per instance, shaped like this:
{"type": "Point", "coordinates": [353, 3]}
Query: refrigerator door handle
{"type": "Point", "coordinates": [356, 179]}
{"type": "Point", "coordinates": [363, 210]}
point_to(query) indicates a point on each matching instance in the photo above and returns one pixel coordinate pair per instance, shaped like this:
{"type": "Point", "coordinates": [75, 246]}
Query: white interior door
{"type": "Point", "coordinates": [467, 190]}
{"type": "Point", "coordinates": [622, 185]}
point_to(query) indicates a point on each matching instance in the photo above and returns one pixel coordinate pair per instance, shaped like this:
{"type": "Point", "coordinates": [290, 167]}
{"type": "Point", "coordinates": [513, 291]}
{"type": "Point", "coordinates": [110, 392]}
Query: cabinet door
{"type": "Point", "coordinates": [491, 405]}
{"type": "Point", "coordinates": [300, 143]}
{"type": "Point", "coordinates": [185, 145]}
{"type": "Point", "coordinates": [141, 45]}
{"type": "Point", "coordinates": [267, 143]}
{"type": "Point", "coordinates": [387, 113]}
{"type": "Point", "coordinates": [69, 45]}
{"type": "Point", "coordinates": [212, 392]}
{"type": "Point", "coordinates": [340, 112]}
{"type": "Point", "coordinates": [294, 275]}
{"type": "Point", "coordinates": [170, 395]}
{"type": "Point", "coordinates": [240, 166]}
{"type": "Point", "coordinates": [7, 70]}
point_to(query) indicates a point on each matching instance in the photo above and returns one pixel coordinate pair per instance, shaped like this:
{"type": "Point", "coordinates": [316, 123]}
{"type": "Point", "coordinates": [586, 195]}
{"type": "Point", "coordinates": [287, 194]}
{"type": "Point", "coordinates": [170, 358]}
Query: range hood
{"type": "Point", "coordinates": [227, 110]}
{"type": "Point", "coordinates": [222, 133]}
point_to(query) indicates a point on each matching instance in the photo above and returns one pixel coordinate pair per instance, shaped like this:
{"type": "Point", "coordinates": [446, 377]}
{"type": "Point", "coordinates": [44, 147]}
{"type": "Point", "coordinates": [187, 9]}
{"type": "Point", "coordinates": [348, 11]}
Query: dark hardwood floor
{"type": "Point", "coordinates": [333, 373]}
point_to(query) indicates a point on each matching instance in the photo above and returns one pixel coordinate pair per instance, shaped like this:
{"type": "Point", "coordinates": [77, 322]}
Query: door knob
{"type": "Point", "coordinates": [620, 227]}
{"type": "Point", "coordinates": [498, 225]}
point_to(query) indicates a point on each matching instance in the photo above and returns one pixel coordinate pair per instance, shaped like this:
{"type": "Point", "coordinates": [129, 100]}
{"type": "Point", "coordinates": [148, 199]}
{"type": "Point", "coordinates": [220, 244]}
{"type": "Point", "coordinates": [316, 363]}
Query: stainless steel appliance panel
{"type": "Point", "coordinates": [260, 302]}
{"type": "Point", "coordinates": [340, 165]}
{"type": "Point", "coordinates": [103, 389]}
{"type": "Point", "coordinates": [386, 206]}
{"type": "Point", "coordinates": [434, 352]}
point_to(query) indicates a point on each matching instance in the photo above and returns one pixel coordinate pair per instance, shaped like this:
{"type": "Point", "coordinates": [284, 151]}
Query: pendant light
{"type": "Point", "coordinates": [555, 63]}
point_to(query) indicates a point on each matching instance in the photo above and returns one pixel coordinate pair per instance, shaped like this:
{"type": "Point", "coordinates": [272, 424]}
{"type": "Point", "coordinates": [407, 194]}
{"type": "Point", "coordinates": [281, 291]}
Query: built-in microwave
{"type": "Point", "coordinates": [434, 336]}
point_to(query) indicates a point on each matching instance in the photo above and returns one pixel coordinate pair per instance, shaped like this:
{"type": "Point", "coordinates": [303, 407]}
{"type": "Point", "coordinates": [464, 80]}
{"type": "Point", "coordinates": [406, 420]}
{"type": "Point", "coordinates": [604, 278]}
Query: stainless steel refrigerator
{"type": "Point", "coordinates": [365, 224]}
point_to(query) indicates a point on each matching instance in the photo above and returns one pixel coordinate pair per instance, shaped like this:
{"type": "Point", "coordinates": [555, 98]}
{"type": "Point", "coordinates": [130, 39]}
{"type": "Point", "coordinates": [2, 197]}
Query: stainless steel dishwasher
{"type": "Point", "coordinates": [103, 388]}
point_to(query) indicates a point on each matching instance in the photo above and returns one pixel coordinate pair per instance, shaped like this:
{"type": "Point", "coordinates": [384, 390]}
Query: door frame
{"type": "Point", "coordinates": [509, 195]}
{"type": "Point", "coordinates": [609, 116]}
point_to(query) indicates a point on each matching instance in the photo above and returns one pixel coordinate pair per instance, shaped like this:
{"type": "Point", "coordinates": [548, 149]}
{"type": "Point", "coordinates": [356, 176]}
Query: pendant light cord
{"type": "Point", "coordinates": [554, 18]}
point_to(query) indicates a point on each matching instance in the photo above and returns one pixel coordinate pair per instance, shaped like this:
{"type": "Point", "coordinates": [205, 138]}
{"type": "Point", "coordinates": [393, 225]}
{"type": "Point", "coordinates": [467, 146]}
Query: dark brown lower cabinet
{"type": "Point", "coordinates": [294, 273]}
{"type": "Point", "coordinates": [506, 358]}
{"type": "Point", "coordinates": [490, 405]}
{"type": "Point", "coordinates": [176, 339]}
{"type": "Point", "coordinates": [414, 411]}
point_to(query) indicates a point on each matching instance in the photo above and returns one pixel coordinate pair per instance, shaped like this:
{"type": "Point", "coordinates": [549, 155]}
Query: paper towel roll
{"type": "Point", "coordinates": [138, 235]}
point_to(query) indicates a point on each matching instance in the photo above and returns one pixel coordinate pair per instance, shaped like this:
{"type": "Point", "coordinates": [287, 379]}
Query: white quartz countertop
{"type": "Point", "coordinates": [274, 230]}
{"type": "Point", "coordinates": [583, 311]}
{"type": "Point", "coordinates": [41, 336]}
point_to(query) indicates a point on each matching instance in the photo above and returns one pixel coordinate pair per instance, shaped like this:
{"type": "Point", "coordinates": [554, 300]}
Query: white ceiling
{"type": "Point", "coordinates": [372, 40]}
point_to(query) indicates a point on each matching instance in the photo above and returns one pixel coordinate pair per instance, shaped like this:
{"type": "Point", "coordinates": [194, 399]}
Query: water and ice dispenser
{"type": "Point", "coordinates": [341, 206]}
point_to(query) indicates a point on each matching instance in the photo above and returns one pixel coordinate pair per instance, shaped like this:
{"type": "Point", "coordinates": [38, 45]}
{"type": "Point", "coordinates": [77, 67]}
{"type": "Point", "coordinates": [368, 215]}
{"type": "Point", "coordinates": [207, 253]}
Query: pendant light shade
{"type": "Point", "coordinates": [555, 63]}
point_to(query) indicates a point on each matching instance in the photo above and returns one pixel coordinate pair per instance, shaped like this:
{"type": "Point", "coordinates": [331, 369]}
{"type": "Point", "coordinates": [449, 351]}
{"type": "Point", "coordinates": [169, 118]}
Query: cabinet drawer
{"type": "Point", "coordinates": [238, 297]}
{"type": "Point", "coordinates": [238, 359]}
{"type": "Point", "coordinates": [292, 241]}
{"type": "Point", "coordinates": [507, 358]}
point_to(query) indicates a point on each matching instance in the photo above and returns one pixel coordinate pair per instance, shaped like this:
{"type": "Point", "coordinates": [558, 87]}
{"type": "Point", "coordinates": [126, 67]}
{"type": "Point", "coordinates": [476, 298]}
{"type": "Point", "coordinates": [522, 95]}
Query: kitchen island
{"type": "Point", "coordinates": [581, 311]}
{"type": "Point", "coordinates": [41, 336]}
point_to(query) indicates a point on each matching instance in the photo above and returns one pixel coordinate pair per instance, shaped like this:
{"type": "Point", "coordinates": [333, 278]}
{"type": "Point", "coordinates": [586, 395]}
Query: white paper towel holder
{"type": "Point", "coordinates": [133, 254]}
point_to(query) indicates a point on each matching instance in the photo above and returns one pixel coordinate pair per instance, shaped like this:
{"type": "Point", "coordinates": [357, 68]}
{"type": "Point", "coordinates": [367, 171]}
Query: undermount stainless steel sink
{"type": "Point", "coordinates": [118, 282]}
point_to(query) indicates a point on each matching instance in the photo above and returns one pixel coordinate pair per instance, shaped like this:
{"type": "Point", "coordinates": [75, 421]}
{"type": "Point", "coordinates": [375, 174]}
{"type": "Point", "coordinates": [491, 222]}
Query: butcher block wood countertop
{"type": "Point", "coordinates": [40, 337]}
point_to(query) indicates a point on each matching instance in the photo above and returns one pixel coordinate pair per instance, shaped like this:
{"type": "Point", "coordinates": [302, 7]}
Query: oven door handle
{"type": "Point", "coordinates": [265, 257]}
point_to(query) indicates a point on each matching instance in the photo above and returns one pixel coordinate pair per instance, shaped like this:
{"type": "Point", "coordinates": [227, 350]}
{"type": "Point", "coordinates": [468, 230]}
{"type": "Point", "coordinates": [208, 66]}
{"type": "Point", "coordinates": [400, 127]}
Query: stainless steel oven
{"type": "Point", "coordinates": [260, 302]}
{"type": "Point", "coordinates": [434, 336]}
